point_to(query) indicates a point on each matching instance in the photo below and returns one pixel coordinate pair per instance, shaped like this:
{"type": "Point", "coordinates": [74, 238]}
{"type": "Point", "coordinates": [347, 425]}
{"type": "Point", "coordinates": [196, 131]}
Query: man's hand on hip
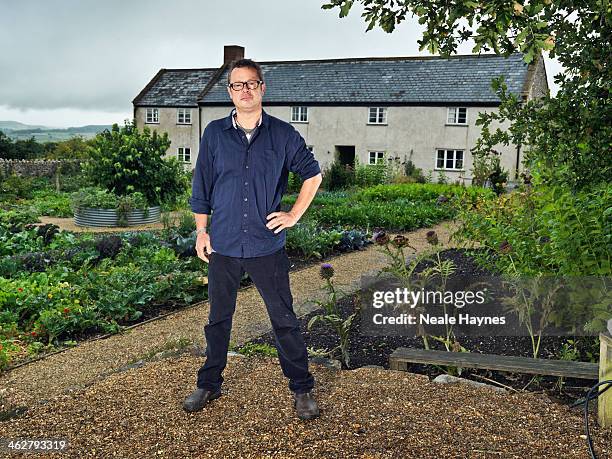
{"type": "Point", "coordinates": [203, 242]}
{"type": "Point", "coordinates": [281, 220]}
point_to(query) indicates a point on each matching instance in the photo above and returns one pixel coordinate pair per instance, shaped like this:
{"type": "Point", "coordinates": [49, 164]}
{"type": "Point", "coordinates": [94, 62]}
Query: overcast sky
{"type": "Point", "coordinates": [75, 62]}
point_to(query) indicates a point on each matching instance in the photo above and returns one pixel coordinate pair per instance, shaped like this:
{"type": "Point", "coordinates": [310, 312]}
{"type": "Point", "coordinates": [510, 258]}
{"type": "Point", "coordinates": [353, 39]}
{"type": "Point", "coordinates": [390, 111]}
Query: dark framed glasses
{"type": "Point", "coordinates": [239, 85]}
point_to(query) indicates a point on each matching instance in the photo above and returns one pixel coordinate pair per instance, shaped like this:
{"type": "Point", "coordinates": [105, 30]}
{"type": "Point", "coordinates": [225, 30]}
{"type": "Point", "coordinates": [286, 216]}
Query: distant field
{"type": "Point", "coordinates": [18, 131]}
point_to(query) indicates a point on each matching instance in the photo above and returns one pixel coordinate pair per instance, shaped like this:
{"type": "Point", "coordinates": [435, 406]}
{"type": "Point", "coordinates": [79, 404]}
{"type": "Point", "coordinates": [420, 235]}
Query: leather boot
{"type": "Point", "coordinates": [305, 405]}
{"type": "Point", "coordinates": [199, 398]}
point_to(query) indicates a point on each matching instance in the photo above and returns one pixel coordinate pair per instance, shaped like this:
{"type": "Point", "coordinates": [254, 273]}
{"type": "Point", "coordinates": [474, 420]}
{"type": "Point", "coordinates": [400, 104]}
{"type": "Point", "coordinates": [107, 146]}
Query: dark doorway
{"type": "Point", "coordinates": [345, 154]}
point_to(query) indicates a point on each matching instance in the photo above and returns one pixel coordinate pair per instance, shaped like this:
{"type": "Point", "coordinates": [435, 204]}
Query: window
{"type": "Point", "coordinates": [183, 116]}
{"type": "Point", "coordinates": [376, 157]}
{"type": "Point", "coordinates": [457, 115]}
{"type": "Point", "coordinates": [152, 115]}
{"type": "Point", "coordinates": [299, 114]}
{"type": "Point", "coordinates": [449, 160]}
{"type": "Point", "coordinates": [184, 154]}
{"type": "Point", "coordinates": [377, 115]}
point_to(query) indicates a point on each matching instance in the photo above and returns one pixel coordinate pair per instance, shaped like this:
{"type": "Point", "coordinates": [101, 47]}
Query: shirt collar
{"type": "Point", "coordinates": [230, 122]}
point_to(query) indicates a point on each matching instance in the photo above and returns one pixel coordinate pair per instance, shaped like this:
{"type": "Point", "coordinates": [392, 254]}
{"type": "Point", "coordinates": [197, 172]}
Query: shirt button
{"type": "Point", "coordinates": [244, 215]}
{"type": "Point", "coordinates": [247, 167]}
{"type": "Point", "coordinates": [246, 199]}
{"type": "Point", "coordinates": [244, 231]}
{"type": "Point", "coordinates": [246, 183]}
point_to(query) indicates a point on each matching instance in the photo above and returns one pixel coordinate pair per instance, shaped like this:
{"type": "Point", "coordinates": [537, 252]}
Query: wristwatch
{"type": "Point", "coordinates": [201, 230]}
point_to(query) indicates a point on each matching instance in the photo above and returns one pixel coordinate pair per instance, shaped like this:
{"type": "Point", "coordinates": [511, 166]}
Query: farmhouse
{"type": "Point", "coordinates": [422, 109]}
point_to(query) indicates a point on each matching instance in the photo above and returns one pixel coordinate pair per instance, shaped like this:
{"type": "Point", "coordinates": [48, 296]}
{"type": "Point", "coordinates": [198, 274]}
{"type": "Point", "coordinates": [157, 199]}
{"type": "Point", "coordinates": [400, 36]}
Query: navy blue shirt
{"type": "Point", "coordinates": [239, 182]}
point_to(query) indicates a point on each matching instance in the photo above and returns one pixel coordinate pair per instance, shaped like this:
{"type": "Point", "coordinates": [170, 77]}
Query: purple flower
{"type": "Point", "coordinates": [432, 237]}
{"type": "Point", "coordinates": [442, 199]}
{"type": "Point", "coordinates": [327, 271]}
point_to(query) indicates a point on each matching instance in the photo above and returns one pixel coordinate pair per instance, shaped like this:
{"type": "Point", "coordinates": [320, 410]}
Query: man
{"type": "Point", "coordinates": [240, 176]}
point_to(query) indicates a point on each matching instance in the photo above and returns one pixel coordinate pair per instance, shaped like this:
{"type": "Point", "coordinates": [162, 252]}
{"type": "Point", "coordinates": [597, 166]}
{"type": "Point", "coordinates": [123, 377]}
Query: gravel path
{"type": "Point", "coordinates": [85, 396]}
{"type": "Point", "coordinates": [365, 413]}
{"type": "Point", "coordinates": [86, 363]}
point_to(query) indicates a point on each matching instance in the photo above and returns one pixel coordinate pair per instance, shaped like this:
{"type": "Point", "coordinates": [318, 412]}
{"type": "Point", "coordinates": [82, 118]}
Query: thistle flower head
{"type": "Point", "coordinates": [432, 237]}
{"type": "Point", "coordinates": [442, 199]}
{"type": "Point", "coordinates": [400, 241]}
{"type": "Point", "coordinates": [327, 271]}
{"type": "Point", "coordinates": [505, 247]}
{"type": "Point", "coordinates": [380, 238]}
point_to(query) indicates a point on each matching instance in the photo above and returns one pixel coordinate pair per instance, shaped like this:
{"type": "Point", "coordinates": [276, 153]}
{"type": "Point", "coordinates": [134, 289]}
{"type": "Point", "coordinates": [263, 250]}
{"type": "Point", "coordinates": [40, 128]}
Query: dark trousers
{"type": "Point", "coordinates": [270, 274]}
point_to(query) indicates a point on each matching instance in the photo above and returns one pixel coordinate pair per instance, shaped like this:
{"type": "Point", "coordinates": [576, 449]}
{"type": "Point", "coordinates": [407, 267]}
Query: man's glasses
{"type": "Point", "coordinates": [251, 84]}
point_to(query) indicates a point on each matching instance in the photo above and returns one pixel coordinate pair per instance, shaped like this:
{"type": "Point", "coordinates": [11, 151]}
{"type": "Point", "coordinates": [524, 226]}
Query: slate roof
{"type": "Point", "coordinates": [356, 81]}
{"type": "Point", "coordinates": [175, 87]}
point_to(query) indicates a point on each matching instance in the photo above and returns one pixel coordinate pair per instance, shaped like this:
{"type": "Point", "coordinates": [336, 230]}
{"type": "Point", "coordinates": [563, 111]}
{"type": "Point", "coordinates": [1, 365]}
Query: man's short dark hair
{"type": "Point", "coordinates": [245, 63]}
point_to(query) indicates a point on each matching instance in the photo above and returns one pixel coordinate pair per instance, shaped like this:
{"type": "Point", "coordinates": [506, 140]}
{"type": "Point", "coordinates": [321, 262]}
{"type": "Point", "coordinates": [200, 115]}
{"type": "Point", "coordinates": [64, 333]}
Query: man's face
{"type": "Point", "coordinates": [246, 99]}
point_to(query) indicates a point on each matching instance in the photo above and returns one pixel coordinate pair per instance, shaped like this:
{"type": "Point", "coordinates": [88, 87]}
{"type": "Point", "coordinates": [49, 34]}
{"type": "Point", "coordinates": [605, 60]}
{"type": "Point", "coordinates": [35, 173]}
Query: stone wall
{"type": "Point", "coordinates": [38, 167]}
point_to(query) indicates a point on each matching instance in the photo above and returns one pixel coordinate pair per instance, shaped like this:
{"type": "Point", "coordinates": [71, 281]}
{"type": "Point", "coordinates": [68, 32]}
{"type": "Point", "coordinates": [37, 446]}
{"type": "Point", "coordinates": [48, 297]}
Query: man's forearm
{"type": "Point", "coordinates": [307, 193]}
{"type": "Point", "coordinates": [201, 220]}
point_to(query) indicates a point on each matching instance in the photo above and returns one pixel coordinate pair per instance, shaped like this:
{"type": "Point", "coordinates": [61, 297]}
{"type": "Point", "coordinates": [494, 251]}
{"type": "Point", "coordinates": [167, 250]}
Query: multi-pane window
{"type": "Point", "coordinates": [457, 115]}
{"type": "Point", "coordinates": [449, 160]}
{"type": "Point", "coordinates": [183, 116]}
{"type": "Point", "coordinates": [152, 115]}
{"type": "Point", "coordinates": [299, 114]}
{"type": "Point", "coordinates": [377, 115]}
{"type": "Point", "coordinates": [376, 157]}
{"type": "Point", "coordinates": [184, 154]}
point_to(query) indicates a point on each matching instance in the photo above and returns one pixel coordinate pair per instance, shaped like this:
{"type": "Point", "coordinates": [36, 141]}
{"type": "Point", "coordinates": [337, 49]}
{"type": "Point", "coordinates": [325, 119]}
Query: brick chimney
{"type": "Point", "coordinates": [232, 53]}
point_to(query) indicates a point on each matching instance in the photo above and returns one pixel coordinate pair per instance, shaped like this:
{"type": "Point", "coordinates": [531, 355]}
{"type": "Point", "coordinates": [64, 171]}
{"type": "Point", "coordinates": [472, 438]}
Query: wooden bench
{"type": "Point", "coordinates": [403, 356]}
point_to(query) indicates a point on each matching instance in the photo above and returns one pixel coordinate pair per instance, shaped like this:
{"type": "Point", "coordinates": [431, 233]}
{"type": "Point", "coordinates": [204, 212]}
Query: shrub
{"type": "Point", "coordinates": [294, 183]}
{"type": "Point", "coordinates": [15, 186]}
{"type": "Point", "coordinates": [550, 230]}
{"type": "Point", "coordinates": [126, 160]}
{"type": "Point", "coordinates": [337, 176]}
{"type": "Point", "coordinates": [370, 174]}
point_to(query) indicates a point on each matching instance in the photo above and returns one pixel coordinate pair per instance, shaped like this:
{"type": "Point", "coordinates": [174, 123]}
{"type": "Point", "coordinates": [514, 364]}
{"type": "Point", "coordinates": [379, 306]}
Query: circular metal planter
{"type": "Point", "coordinates": [108, 217]}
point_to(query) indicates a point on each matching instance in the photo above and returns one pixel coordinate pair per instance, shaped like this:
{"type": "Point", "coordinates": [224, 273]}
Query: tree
{"type": "Point", "coordinates": [73, 148]}
{"type": "Point", "coordinates": [567, 137]}
{"type": "Point", "coordinates": [6, 146]}
{"type": "Point", "coordinates": [125, 160]}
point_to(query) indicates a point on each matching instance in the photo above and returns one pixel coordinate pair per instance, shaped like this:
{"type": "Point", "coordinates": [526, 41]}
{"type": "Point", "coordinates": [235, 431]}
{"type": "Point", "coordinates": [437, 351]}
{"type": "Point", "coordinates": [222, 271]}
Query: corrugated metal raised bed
{"type": "Point", "coordinates": [108, 217]}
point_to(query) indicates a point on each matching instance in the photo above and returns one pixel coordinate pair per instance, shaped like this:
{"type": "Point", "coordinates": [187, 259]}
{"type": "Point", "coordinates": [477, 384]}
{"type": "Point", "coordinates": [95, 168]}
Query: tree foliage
{"type": "Point", "coordinates": [566, 138]}
{"type": "Point", "coordinates": [125, 160]}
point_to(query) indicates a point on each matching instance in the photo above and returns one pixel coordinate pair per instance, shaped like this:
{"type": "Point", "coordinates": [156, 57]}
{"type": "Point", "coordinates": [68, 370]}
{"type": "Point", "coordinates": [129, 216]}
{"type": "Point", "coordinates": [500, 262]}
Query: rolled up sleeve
{"type": "Point", "coordinates": [300, 159]}
{"type": "Point", "coordinates": [202, 184]}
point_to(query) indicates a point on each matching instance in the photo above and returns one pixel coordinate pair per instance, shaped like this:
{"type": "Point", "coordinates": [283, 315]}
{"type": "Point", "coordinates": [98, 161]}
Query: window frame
{"type": "Point", "coordinates": [301, 110]}
{"type": "Point", "coordinates": [379, 110]}
{"type": "Point", "coordinates": [185, 111]}
{"type": "Point", "coordinates": [178, 154]}
{"type": "Point", "coordinates": [455, 121]}
{"type": "Point", "coordinates": [382, 157]}
{"type": "Point", "coordinates": [446, 158]}
{"type": "Point", "coordinates": [155, 119]}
